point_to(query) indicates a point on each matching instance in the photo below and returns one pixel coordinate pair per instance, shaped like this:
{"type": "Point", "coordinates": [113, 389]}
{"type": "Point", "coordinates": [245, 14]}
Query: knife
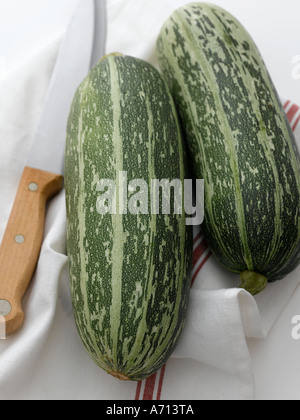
{"type": "Point", "coordinates": [42, 179]}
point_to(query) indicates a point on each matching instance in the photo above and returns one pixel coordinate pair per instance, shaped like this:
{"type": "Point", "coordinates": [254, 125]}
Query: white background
{"type": "Point", "coordinates": [27, 25]}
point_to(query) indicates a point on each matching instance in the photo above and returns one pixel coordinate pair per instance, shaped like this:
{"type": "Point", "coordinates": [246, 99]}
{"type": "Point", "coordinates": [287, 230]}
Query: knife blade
{"type": "Point", "coordinates": [42, 177]}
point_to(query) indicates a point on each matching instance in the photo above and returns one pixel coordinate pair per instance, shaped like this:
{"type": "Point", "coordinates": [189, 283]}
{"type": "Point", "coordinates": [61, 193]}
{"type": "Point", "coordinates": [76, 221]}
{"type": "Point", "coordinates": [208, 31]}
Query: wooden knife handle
{"type": "Point", "coordinates": [22, 241]}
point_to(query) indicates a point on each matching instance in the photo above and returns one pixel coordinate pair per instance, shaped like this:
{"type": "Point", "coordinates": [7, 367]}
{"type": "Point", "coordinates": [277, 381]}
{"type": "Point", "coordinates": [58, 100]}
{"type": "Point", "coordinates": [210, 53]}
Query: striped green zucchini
{"type": "Point", "coordinates": [240, 141]}
{"type": "Point", "coordinates": [129, 273]}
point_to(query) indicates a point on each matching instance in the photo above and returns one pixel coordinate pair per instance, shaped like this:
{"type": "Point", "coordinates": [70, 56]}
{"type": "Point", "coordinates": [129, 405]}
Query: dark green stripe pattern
{"type": "Point", "coordinates": [129, 273]}
{"type": "Point", "coordinates": [239, 138]}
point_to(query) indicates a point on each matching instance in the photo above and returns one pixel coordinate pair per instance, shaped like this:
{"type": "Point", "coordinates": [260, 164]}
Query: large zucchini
{"type": "Point", "coordinates": [129, 273]}
{"type": "Point", "coordinates": [240, 142]}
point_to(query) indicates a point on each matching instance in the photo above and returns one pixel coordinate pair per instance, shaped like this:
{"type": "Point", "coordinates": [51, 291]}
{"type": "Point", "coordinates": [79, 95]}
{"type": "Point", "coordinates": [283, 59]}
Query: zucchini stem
{"type": "Point", "coordinates": [253, 282]}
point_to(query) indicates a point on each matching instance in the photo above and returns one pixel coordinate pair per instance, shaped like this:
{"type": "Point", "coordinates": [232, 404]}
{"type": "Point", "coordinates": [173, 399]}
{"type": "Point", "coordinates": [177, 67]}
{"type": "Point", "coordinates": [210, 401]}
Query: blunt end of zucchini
{"type": "Point", "coordinates": [253, 282]}
{"type": "Point", "coordinates": [119, 376]}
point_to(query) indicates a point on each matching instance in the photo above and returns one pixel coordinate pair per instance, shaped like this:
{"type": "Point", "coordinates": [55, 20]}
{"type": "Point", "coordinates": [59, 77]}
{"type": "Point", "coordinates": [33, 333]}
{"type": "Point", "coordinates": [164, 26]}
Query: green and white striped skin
{"type": "Point", "coordinates": [240, 142]}
{"type": "Point", "coordinates": [129, 274]}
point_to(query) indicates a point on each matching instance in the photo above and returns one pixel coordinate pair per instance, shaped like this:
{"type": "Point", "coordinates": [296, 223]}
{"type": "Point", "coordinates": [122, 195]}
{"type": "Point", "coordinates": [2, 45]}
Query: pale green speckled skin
{"type": "Point", "coordinates": [129, 275]}
{"type": "Point", "coordinates": [239, 138]}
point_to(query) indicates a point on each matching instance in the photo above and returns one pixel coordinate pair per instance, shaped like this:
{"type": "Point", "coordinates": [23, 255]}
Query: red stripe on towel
{"type": "Point", "coordinates": [198, 252]}
{"type": "Point", "coordinates": [201, 266]}
{"type": "Point", "coordinates": [161, 381]}
{"type": "Point", "coordinates": [296, 123]}
{"type": "Point", "coordinates": [197, 237]}
{"type": "Point", "coordinates": [149, 388]}
{"type": "Point", "coordinates": [138, 390]}
{"type": "Point", "coordinates": [292, 112]}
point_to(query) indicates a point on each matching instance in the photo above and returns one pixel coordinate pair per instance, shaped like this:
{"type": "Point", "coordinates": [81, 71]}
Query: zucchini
{"type": "Point", "coordinates": [240, 142]}
{"type": "Point", "coordinates": [130, 274]}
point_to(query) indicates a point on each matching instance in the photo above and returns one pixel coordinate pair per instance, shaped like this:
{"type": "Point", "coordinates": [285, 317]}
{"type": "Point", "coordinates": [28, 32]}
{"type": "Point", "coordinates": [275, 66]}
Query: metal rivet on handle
{"type": "Point", "coordinates": [20, 239]}
{"type": "Point", "coordinates": [5, 308]}
{"type": "Point", "coordinates": [33, 187]}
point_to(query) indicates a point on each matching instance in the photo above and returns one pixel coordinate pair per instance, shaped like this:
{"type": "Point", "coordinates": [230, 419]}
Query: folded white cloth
{"type": "Point", "coordinates": [46, 359]}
